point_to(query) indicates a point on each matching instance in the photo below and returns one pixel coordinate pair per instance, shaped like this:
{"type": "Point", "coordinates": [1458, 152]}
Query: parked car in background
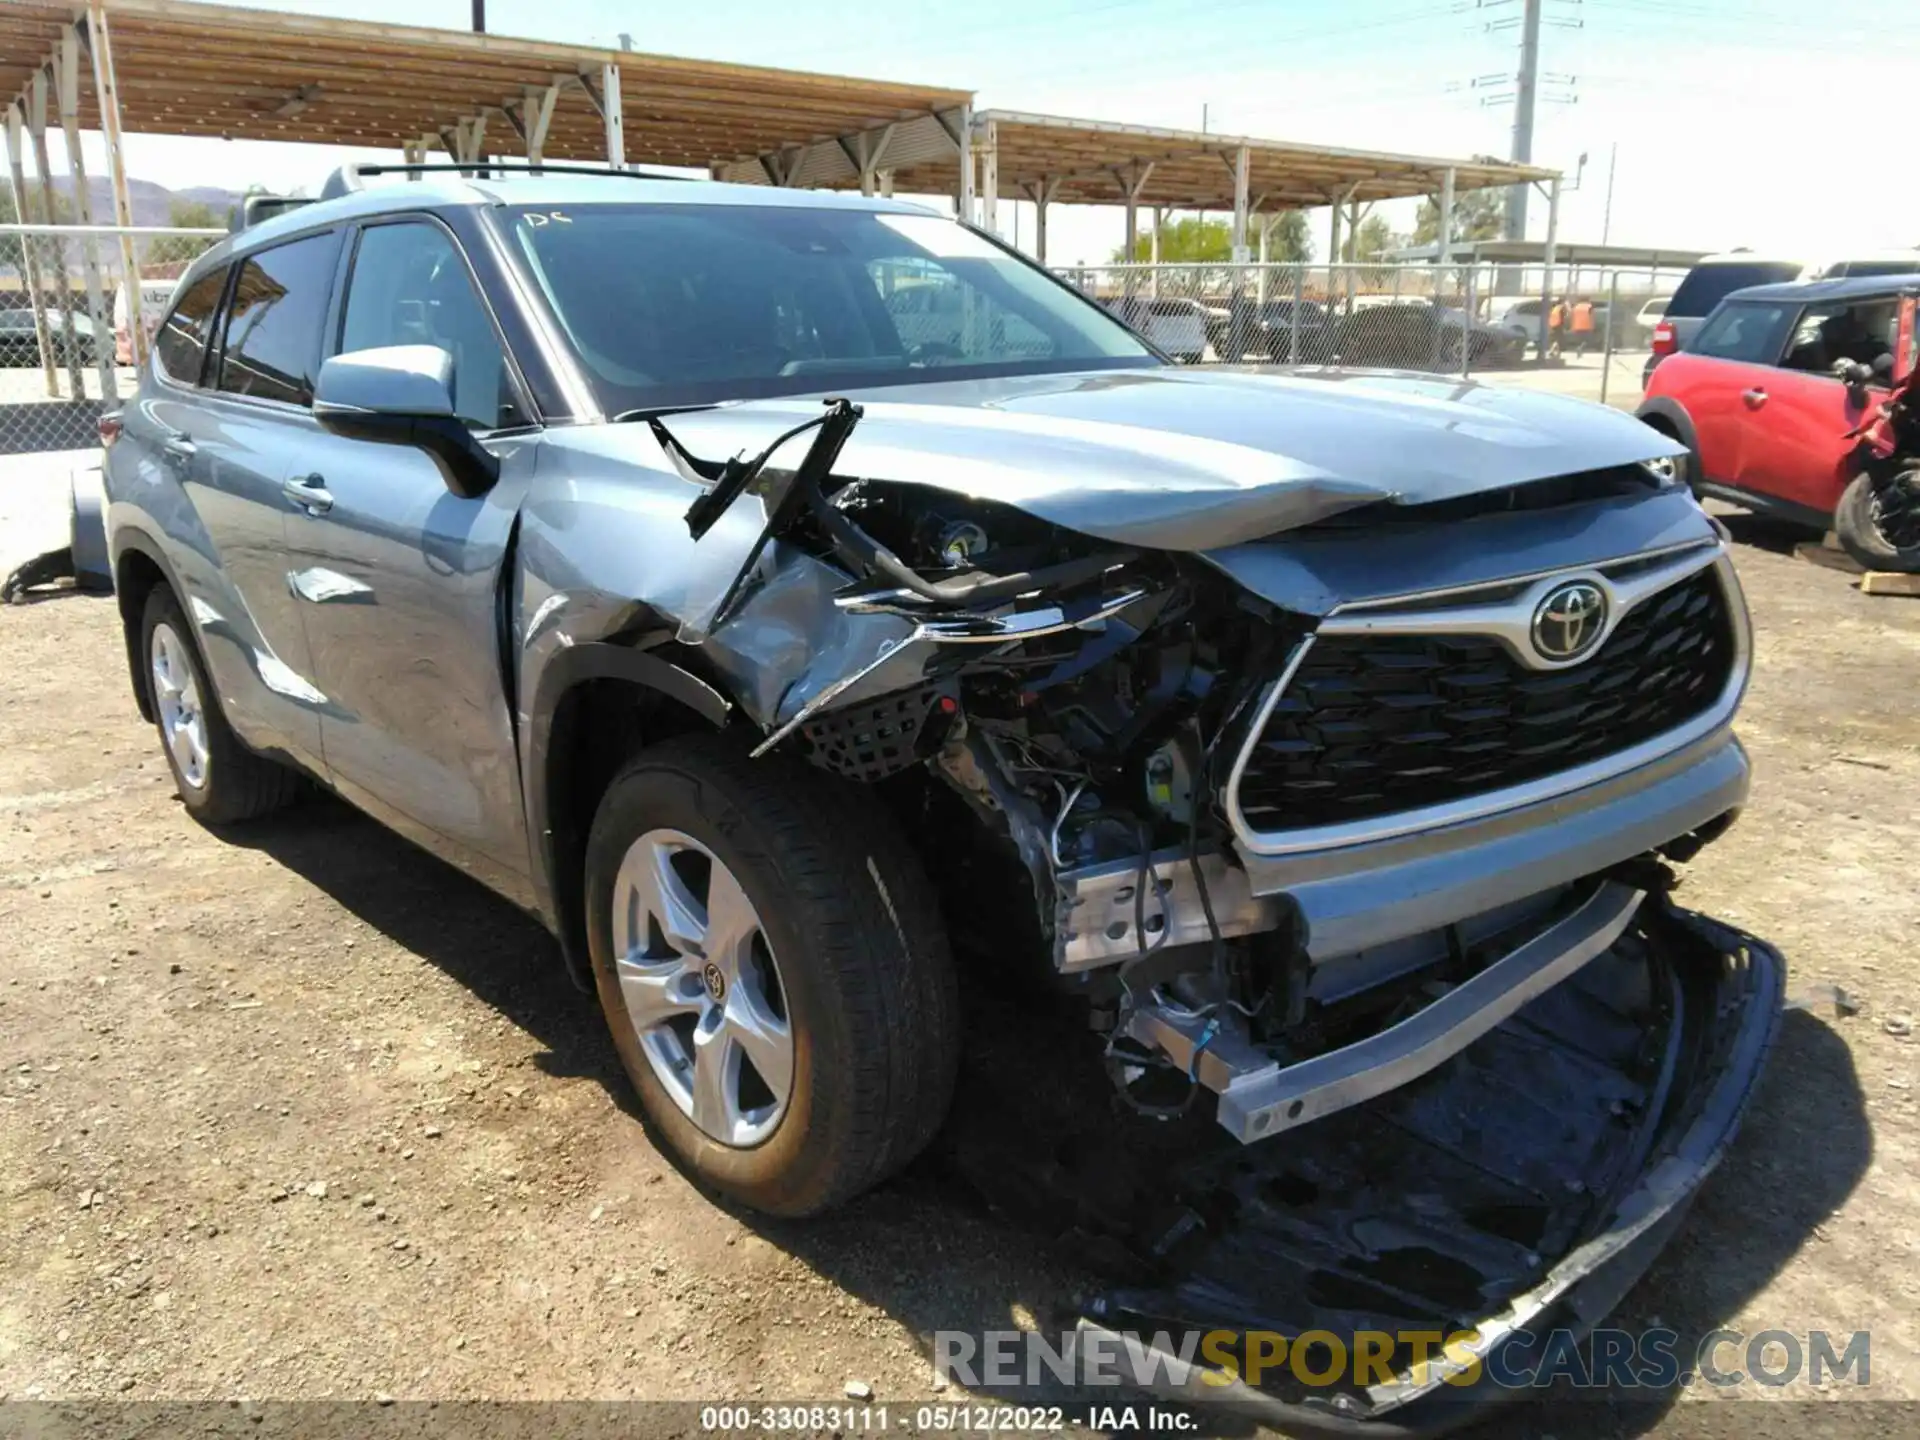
{"type": "Point", "coordinates": [1418, 335]}
{"type": "Point", "coordinates": [1872, 264]}
{"type": "Point", "coordinates": [1715, 277]}
{"type": "Point", "coordinates": [155, 295]}
{"type": "Point", "coordinates": [1278, 331]}
{"type": "Point", "coordinates": [1772, 393]}
{"type": "Point", "coordinates": [1645, 319]}
{"type": "Point", "coordinates": [1523, 318]}
{"type": "Point", "coordinates": [1269, 740]}
{"type": "Point", "coordinates": [1176, 326]}
{"type": "Point", "coordinates": [19, 345]}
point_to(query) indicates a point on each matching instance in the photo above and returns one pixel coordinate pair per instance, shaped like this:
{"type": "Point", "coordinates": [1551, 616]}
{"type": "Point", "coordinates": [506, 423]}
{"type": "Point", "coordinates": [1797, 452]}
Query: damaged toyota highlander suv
{"type": "Point", "coordinates": [818, 614]}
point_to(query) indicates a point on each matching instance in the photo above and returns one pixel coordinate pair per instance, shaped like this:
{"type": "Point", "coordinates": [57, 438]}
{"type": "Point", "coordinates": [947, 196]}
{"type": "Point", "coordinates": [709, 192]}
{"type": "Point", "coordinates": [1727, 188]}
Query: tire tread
{"type": "Point", "coordinates": [892, 968]}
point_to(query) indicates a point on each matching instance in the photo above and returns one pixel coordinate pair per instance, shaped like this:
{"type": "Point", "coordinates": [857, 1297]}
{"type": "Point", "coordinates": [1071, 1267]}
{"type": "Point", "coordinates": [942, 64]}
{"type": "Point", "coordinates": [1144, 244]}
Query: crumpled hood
{"type": "Point", "coordinates": [1189, 459]}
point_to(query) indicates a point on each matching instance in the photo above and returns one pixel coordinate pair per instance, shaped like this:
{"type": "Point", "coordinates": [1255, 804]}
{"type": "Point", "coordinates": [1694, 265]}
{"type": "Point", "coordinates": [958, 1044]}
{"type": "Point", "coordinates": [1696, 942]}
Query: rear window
{"type": "Point", "coordinates": [181, 345]}
{"type": "Point", "coordinates": [1707, 285]}
{"type": "Point", "coordinates": [1750, 332]}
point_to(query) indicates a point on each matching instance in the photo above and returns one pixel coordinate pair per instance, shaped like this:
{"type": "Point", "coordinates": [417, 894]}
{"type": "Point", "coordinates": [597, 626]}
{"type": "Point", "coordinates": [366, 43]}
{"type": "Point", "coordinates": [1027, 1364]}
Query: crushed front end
{"type": "Point", "coordinates": [1359, 830]}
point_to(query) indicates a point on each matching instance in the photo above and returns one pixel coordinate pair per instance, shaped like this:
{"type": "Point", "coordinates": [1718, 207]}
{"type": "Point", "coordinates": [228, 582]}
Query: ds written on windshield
{"type": "Point", "coordinates": [669, 304]}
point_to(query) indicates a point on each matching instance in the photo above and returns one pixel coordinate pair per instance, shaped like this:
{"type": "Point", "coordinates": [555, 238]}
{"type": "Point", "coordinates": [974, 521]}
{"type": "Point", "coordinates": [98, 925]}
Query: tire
{"type": "Point", "coordinates": [1865, 513]}
{"type": "Point", "coordinates": [844, 956]}
{"type": "Point", "coordinates": [218, 779]}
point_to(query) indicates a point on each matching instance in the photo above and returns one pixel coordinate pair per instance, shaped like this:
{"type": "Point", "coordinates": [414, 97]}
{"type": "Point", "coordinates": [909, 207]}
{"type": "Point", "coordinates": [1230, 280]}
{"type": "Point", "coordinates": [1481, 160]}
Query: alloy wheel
{"type": "Point", "coordinates": [702, 987]}
{"type": "Point", "coordinates": [183, 724]}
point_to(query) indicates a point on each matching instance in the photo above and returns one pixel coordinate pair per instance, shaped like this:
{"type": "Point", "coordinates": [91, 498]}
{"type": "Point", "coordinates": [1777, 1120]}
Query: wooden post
{"type": "Point", "coordinates": [29, 258]}
{"type": "Point", "coordinates": [611, 113]}
{"type": "Point", "coordinates": [99, 308]}
{"type": "Point", "coordinates": [55, 252]}
{"type": "Point", "coordinates": [106, 91]}
{"type": "Point", "coordinates": [990, 176]}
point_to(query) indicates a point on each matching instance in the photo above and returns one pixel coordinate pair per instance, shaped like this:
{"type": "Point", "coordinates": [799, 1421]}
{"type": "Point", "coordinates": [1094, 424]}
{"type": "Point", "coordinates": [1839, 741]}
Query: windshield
{"type": "Point", "coordinates": [689, 304]}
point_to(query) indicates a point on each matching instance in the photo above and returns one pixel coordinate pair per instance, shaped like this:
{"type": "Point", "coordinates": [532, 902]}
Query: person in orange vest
{"type": "Point", "coordinates": [1556, 326]}
{"type": "Point", "coordinates": [1582, 324]}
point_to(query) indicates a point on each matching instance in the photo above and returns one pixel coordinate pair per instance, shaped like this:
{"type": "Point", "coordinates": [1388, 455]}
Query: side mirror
{"type": "Point", "coordinates": [403, 395]}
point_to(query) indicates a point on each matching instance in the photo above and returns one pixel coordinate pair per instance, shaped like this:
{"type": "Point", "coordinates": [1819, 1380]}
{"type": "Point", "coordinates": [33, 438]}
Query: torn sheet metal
{"type": "Point", "coordinates": [1173, 460]}
{"type": "Point", "coordinates": [1521, 1186]}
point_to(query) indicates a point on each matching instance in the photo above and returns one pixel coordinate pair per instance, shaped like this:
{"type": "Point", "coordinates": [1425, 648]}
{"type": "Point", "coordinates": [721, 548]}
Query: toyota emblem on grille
{"type": "Point", "coordinates": [1569, 621]}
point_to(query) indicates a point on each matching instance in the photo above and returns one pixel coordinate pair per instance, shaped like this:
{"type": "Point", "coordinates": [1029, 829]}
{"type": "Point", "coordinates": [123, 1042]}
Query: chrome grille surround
{"type": "Point", "coordinates": [1503, 610]}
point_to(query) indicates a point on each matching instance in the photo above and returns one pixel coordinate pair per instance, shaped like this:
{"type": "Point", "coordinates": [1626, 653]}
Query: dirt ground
{"type": "Point", "coordinates": [300, 1113]}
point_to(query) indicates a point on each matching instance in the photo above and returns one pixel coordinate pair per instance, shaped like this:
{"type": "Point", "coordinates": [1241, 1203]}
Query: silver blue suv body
{"type": "Point", "coordinates": [812, 610]}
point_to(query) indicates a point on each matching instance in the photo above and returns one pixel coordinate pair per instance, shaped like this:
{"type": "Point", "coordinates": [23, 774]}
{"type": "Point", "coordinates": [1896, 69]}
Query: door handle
{"type": "Point", "coordinates": [1754, 398]}
{"type": "Point", "coordinates": [309, 493]}
{"type": "Point", "coordinates": [178, 447]}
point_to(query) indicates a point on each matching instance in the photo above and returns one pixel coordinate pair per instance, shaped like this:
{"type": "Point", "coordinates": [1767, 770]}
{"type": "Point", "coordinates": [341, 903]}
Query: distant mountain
{"type": "Point", "coordinates": [152, 204]}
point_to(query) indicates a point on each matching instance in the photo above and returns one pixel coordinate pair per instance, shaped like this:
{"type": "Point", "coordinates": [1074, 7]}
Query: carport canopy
{"type": "Point", "coordinates": [184, 68]}
{"type": "Point", "coordinates": [1049, 158]}
{"type": "Point", "coordinates": [176, 67]}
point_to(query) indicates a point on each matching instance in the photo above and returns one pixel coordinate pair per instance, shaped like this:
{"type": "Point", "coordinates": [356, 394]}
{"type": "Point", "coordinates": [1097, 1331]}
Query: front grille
{"type": "Point", "coordinates": [1374, 725]}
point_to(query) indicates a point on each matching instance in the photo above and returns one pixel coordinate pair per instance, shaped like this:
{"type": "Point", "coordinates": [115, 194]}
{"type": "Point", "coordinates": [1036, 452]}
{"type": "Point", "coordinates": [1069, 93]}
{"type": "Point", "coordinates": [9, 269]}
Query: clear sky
{"type": "Point", "coordinates": [1776, 124]}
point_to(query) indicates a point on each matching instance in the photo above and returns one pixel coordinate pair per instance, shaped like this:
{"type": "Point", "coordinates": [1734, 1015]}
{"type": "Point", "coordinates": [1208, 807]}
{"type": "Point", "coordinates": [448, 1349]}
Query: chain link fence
{"type": "Point", "coordinates": [72, 327]}
{"type": "Point", "coordinates": [69, 343]}
{"type": "Point", "coordinates": [1472, 321]}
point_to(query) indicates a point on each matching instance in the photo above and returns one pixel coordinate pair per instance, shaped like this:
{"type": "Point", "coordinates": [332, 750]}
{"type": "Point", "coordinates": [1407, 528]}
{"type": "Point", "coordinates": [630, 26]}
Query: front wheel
{"type": "Point", "coordinates": [1878, 521]}
{"type": "Point", "coordinates": [771, 963]}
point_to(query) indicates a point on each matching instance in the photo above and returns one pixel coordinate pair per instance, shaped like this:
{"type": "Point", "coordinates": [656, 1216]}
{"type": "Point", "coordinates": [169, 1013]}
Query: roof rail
{"type": "Point", "coordinates": [349, 178]}
{"type": "Point", "coordinates": [256, 208]}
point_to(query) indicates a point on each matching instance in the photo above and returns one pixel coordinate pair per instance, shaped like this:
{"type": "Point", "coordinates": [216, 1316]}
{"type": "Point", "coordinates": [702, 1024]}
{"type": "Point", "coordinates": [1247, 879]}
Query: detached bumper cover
{"type": "Point", "coordinates": [1528, 1183]}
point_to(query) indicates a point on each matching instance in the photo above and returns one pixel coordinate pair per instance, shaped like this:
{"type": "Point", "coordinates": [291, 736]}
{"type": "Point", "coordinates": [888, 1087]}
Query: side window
{"type": "Point", "coordinates": [181, 345]}
{"type": "Point", "coordinates": [1862, 332]}
{"type": "Point", "coordinates": [1753, 333]}
{"type": "Point", "coordinates": [410, 286]}
{"type": "Point", "coordinates": [279, 306]}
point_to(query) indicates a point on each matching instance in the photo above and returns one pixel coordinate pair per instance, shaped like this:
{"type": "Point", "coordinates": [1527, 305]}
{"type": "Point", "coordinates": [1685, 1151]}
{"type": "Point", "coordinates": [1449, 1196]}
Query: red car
{"type": "Point", "coordinates": [1775, 397]}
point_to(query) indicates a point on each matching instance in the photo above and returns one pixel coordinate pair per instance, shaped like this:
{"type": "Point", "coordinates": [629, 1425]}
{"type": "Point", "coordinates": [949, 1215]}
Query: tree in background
{"type": "Point", "coordinates": [1477, 215]}
{"type": "Point", "coordinates": [1287, 239]}
{"type": "Point", "coordinates": [1196, 240]}
{"type": "Point", "coordinates": [178, 249]}
{"type": "Point", "coordinates": [1189, 240]}
{"type": "Point", "coordinates": [1370, 243]}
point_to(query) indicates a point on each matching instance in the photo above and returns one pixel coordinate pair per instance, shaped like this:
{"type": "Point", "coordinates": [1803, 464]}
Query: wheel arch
{"type": "Point", "coordinates": [139, 567]}
{"type": "Point", "coordinates": [1670, 418]}
{"type": "Point", "coordinates": [593, 706]}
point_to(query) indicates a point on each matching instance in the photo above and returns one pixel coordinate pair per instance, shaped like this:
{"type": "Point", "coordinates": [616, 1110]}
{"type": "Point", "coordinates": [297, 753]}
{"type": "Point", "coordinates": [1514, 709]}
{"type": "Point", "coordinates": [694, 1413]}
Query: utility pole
{"type": "Point", "coordinates": [479, 17]}
{"type": "Point", "coordinates": [1523, 100]}
{"type": "Point", "coordinates": [1606, 215]}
